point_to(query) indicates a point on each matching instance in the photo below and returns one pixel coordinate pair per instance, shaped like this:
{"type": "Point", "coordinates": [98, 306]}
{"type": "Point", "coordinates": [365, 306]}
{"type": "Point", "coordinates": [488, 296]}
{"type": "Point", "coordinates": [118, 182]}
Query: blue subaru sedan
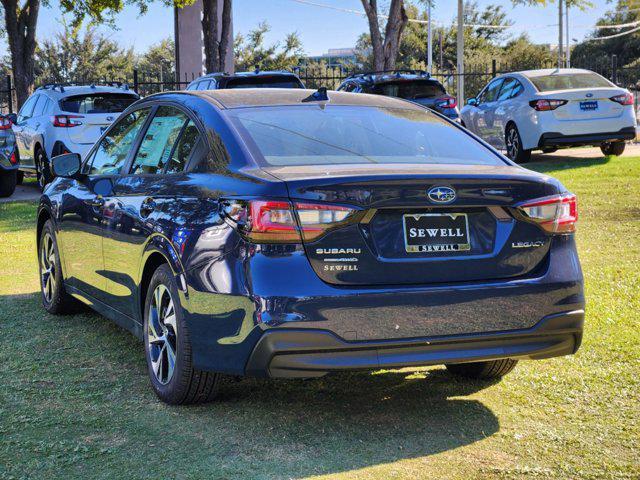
{"type": "Point", "coordinates": [292, 233]}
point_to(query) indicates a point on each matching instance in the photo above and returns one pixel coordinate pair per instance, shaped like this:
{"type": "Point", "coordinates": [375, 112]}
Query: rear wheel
{"type": "Point", "coordinates": [43, 169]}
{"type": "Point", "coordinates": [612, 148]}
{"type": "Point", "coordinates": [19, 177]}
{"type": "Point", "coordinates": [8, 182]}
{"type": "Point", "coordinates": [168, 346]}
{"type": "Point", "coordinates": [483, 370]}
{"type": "Point", "coordinates": [515, 151]}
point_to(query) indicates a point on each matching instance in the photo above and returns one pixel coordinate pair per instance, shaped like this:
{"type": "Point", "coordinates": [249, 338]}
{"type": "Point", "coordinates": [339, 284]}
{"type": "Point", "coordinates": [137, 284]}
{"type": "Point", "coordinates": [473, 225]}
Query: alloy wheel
{"type": "Point", "coordinates": [47, 267]}
{"type": "Point", "coordinates": [162, 334]}
{"type": "Point", "coordinates": [513, 143]}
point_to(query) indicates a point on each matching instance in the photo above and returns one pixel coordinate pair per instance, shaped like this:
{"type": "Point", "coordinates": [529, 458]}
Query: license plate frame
{"type": "Point", "coordinates": [589, 105]}
{"type": "Point", "coordinates": [413, 245]}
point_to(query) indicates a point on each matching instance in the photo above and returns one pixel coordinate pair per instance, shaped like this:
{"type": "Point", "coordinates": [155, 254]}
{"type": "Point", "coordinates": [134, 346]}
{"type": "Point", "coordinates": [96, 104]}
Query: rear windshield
{"type": "Point", "coordinates": [569, 81]}
{"type": "Point", "coordinates": [323, 135]}
{"type": "Point", "coordinates": [413, 90]}
{"type": "Point", "coordinates": [98, 103]}
{"type": "Point", "coordinates": [264, 82]}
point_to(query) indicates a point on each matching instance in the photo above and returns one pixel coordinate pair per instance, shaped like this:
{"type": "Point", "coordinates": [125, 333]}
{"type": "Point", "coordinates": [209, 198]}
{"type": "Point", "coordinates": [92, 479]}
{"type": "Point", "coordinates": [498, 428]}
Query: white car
{"type": "Point", "coordinates": [60, 119]}
{"type": "Point", "coordinates": [550, 109]}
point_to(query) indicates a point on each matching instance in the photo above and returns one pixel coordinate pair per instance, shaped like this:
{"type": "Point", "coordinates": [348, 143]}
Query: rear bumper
{"type": "Point", "coordinates": [310, 353]}
{"type": "Point", "coordinates": [555, 139]}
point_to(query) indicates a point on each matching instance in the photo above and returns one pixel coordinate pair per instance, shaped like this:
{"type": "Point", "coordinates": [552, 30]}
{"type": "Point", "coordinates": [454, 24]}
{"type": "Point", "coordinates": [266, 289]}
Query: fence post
{"type": "Point", "coordinates": [493, 68]}
{"type": "Point", "coordinates": [614, 68]}
{"type": "Point", "coordinates": [9, 94]}
{"type": "Point", "coordinates": [135, 80]}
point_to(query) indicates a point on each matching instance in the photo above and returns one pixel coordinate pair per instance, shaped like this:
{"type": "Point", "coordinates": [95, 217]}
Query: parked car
{"type": "Point", "coordinates": [8, 158]}
{"type": "Point", "coordinates": [550, 109]}
{"type": "Point", "coordinates": [255, 79]}
{"type": "Point", "coordinates": [65, 118]}
{"type": "Point", "coordinates": [414, 85]}
{"type": "Point", "coordinates": [284, 235]}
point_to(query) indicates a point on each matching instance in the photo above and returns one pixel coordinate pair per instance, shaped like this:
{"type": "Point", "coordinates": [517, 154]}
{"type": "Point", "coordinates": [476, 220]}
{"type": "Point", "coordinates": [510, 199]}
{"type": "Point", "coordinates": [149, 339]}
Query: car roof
{"type": "Point", "coordinates": [62, 91]}
{"type": "Point", "coordinates": [256, 73]}
{"type": "Point", "coordinates": [551, 71]}
{"type": "Point", "coordinates": [390, 76]}
{"type": "Point", "coordinates": [264, 97]}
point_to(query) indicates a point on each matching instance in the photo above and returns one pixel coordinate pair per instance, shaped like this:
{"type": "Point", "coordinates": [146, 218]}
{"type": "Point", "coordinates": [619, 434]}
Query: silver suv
{"type": "Point", "coordinates": [60, 119]}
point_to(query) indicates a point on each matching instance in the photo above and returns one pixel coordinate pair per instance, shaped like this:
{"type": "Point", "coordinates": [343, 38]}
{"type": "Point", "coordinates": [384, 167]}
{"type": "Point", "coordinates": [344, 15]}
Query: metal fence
{"type": "Point", "coordinates": [476, 75]}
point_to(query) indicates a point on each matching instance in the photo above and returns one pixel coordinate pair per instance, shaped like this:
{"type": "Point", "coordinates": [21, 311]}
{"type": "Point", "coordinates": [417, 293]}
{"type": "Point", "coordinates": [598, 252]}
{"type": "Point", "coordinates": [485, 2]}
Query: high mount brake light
{"type": "Point", "coordinates": [555, 214]}
{"type": "Point", "coordinates": [66, 121]}
{"type": "Point", "coordinates": [266, 221]}
{"type": "Point", "coordinates": [5, 123]}
{"type": "Point", "coordinates": [623, 99]}
{"type": "Point", "coordinates": [447, 102]}
{"type": "Point", "coordinates": [545, 105]}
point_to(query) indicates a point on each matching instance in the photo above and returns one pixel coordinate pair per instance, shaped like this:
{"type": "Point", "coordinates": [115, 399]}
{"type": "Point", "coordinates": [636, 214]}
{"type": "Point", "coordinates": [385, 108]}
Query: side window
{"type": "Point", "coordinates": [114, 147]}
{"type": "Point", "coordinates": [48, 108]}
{"type": "Point", "coordinates": [348, 87]}
{"type": "Point", "coordinates": [507, 89]}
{"type": "Point", "coordinates": [27, 108]}
{"type": "Point", "coordinates": [182, 151]}
{"type": "Point", "coordinates": [489, 94]}
{"type": "Point", "coordinates": [518, 88]}
{"type": "Point", "coordinates": [157, 145]}
{"type": "Point", "coordinates": [204, 85]}
{"type": "Point", "coordinates": [38, 110]}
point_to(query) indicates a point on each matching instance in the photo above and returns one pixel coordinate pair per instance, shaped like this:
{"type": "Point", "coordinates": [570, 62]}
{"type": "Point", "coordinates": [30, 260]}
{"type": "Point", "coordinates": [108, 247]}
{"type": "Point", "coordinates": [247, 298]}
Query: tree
{"type": "Point", "coordinates": [158, 61]}
{"type": "Point", "coordinates": [250, 51]}
{"type": "Point", "coordinates": [74, 57]}
{"type": "Point", "coordinates": [385, 49]}
{"type": "Point", "coordinates": [216, 40]}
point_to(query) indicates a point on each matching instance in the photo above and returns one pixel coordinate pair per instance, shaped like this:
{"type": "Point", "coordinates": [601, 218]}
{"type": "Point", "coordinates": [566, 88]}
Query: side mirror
{"type": "Point", "coordinates": [472, 101]}
{"type": "Point", "coordinates": [13, 117]}
{"type": "Point", "coordinates": [66, 165]}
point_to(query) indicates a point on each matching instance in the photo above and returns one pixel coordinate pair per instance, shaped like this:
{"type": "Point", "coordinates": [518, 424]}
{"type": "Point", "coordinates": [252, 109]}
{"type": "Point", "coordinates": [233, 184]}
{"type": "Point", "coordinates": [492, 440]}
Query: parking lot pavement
{"type": "Point", "coordinates": [25, 192]}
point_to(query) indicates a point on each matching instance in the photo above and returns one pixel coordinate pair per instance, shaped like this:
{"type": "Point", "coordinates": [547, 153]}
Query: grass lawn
{"type": "Point", "coordinates": [75, 400]}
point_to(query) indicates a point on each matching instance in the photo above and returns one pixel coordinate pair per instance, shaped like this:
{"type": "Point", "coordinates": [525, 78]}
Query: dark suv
{"type": "Point", "coordinates": [255, 79]}
{"type": "Point", "coordinates": [414, 85]}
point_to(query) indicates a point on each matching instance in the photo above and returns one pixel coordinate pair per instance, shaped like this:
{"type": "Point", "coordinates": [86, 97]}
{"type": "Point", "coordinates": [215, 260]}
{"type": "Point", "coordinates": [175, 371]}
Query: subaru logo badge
{"type": "Point", "coordinates": [442, 194]}
{"type": "Point", "coordinates": [589, 95]}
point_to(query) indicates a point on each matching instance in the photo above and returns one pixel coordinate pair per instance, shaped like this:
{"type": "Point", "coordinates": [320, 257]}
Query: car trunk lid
{"type": "Point", "coordinates": [585, 104]}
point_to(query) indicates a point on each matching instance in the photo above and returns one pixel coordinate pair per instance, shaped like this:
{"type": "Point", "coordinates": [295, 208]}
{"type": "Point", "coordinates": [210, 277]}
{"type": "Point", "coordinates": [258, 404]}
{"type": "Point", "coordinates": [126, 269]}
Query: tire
{"type": "Point", "coordinates": [491, 369]}
{"type": "Point", "coordinates": [43, 169]}
{"type": "Point", "coordinates": [612, 148]}
{"type": "Point", "coordinates": [55, 298]}
{"type": "Point", "coordinates": [8, 182]}
{"type": "Point", "coordinates": [166, 336]}
{"type": "Point", "coordinates": [513, 143]}
{"type": "Point", "coordinates": [19, 177]}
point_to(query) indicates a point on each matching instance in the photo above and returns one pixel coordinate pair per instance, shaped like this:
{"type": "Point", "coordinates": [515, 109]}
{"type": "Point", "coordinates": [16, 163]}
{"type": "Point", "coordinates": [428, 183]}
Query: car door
{"type": "Point", "coordinates": [141, 205]}
{"type": "Point", "coordinates": [487, 127]}
{"type": "Point", "coordinates": [82, 216]}
{"type": "Point", "coordinates": [502, 108]}
{"type": "Point", "coordinates": [20, 130]}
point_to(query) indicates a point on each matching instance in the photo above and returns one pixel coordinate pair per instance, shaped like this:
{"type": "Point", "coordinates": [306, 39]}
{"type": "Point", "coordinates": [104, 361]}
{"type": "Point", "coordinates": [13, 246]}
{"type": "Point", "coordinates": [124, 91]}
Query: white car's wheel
{"type": "Point", "coordinates": [515, 150]}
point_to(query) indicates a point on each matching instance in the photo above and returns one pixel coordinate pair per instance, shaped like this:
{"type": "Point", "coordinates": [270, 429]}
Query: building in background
{"type": "Point", "coordinates": [189, 41]}
{"type": "Point", "coordinates": [333, 57]}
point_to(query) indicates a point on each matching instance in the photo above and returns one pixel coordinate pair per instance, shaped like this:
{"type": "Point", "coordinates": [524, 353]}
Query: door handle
{"type": "Point", "coordinates": [147, 207]}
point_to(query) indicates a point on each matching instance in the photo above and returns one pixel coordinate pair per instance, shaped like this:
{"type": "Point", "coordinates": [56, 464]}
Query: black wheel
{"type": "Point", "coordinates": [483, 370]}
{"type": "Point", "coordinates": [55, 298]}
{"type": "Point", "coordinates": [19, 177]}
{"type": "Point", "coordinates": [514, 145]}
{"type": "Point", "coordinates": [8, 182]}
{"type": "Point", "coordinates": [612, 148]}
{"type": "Point", "coordinates": [43, 169]}
{"type": "Point", "coordinates": [168, 346]}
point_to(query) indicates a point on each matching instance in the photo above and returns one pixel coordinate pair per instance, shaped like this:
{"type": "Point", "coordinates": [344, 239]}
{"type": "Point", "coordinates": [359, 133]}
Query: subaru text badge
{"type": "Point", "coordinates": [441, 194]}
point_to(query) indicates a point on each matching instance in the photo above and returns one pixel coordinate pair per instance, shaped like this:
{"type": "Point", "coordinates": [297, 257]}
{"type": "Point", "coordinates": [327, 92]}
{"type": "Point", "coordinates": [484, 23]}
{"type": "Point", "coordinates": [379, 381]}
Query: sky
{"type": "Point", "coordinates": [319, 28]}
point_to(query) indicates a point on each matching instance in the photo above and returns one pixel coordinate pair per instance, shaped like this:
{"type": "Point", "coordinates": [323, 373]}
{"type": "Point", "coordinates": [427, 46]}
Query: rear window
{"type": "Point", "coordinates": [98, 103]}
{"type": "Point", "coordinates": [569, 81]}
{"type": "Point", "coordinates": [264, 82]}
{"type": "Point", "coordinates": [323, 135]}
{"type": "Point", "coordinates": [410, 90]}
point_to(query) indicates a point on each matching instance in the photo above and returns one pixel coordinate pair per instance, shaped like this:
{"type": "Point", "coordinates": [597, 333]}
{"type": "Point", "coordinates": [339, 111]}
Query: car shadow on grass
{"type": "Point", "coordinates": [256, 428]}
{"type": "Point", "coordinates": [548, 163]}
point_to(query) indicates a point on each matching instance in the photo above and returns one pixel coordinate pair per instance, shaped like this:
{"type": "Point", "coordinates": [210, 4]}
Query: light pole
{"type": "Point", "coordinates": [566, 32]}
{"type": "Point", "coordinates": [460, 53]}
{"type": "Point", "coordinates": [560, 40]}
{"type": "Point", "coordinates": [429, 40]}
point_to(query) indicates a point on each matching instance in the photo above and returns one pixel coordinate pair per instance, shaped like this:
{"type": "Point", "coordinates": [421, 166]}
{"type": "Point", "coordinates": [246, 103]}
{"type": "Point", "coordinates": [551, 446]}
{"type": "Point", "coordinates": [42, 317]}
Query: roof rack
{"type": "Point", "coordinates": [398, 72]}
{"type": "Point", "coordinates": [60, 86]}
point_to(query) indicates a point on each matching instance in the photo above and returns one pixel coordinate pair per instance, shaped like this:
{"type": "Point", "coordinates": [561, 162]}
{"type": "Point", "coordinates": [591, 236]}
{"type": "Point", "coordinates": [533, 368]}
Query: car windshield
{"type": "Point", "coordinates": [411, 90]}
{"type": "Point", "coordinates": [264, 82]}
{"type": "Point", "coordinates": [569, 81]}
{"type": "Point", "coordinates": [323, 135]}
{"type": "Point", "coordinates": [98, 103]}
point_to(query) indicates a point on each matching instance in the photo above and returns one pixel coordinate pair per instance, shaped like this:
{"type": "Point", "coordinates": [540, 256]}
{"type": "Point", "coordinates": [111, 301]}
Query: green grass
{"type": "Point", "coordinates": [75, 400]}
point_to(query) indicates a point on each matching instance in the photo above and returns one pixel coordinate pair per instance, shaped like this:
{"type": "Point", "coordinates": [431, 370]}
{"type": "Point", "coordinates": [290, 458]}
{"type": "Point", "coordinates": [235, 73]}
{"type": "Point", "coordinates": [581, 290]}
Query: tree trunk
{"type": "Point", "coordinates": [385, 51]}
{"type": "Point", "coordinates": [210, 34]}
{"type": "Point", "coordinates": [225, 36]}
{"type": "Point", "coordinates": [20, 25]}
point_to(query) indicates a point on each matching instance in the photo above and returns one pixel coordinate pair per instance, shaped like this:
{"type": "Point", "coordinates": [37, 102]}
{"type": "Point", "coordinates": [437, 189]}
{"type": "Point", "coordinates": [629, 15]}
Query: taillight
{"type": "Point", "coordinates": [544, 105]}
{"type": "Point", "coordinates": [623, 98]}
{"type": "Point", "coordinates": [13, 159]}
{"type": "Point", "coordinates": [66, 121]}
{"type": "Point", "coordinates": [446, 102]}
{"type": "Point", "coordinates": [555, 214]}
{"type": "Point", "coordinates": [5, 123]}
{"type": "Point", "coordinates": [267, 221]}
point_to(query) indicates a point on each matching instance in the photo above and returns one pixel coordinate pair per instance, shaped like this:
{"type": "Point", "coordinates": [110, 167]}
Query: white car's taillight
{"type": "Point", "coordinates": [66, 121]}
{"type": "Point", "coordinates": [623, 99]}
{"type": "Point", "coordinates": [555, 214]}
{"type": "Point", "coordinates": [544, 105]}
